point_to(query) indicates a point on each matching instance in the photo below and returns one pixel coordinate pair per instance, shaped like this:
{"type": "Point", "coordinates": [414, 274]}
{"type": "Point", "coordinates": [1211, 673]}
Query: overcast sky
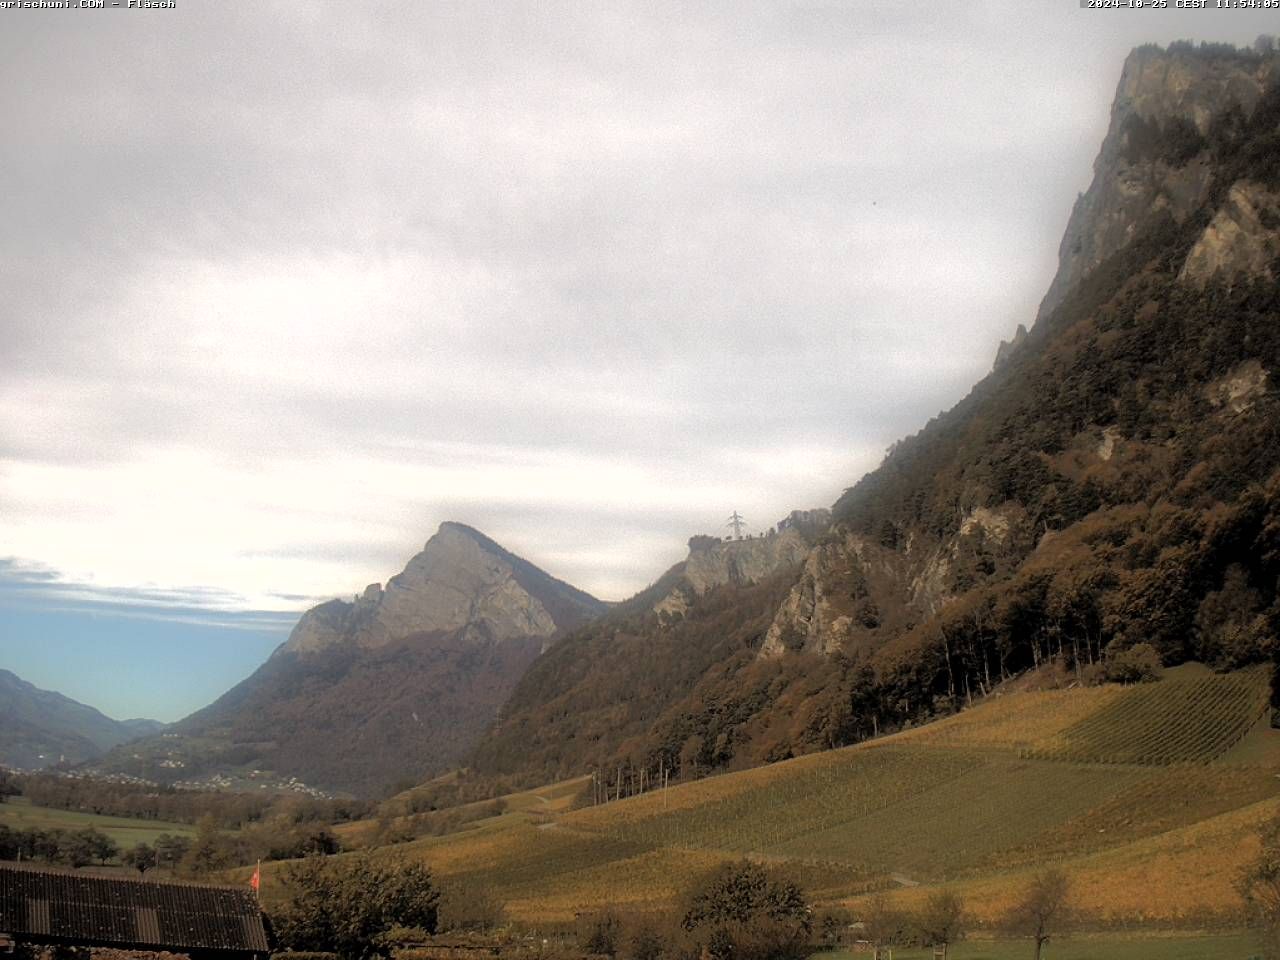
{"type": "Point", "coordinates": [285, 285]}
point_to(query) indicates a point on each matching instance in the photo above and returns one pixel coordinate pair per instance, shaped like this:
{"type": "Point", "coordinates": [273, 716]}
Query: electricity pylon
{"type": "Point", "coordinates": [736, 521]}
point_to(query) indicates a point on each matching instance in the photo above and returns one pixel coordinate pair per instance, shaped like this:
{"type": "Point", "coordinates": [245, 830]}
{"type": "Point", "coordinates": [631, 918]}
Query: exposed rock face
{"type": "Point", "coordinates": [847, 588]}
{"type": "Point", "coordinates": [852, 589]}
{"type": "Point", "coordinates": [1149, 160]}
{"type": "Point", "coordinates": [1240, 389]}
{"type": "Point", "coordinates": [807, 620]}
{"type": "Point", "coordinates": [743, 561]}
{"type": "Point", "coordinates": [1240, 240]}
{"type": "Point", "coordinates": [461, 579]}
{"type": "Point", "coordinates": [1007, 347]}
{"type": "Point", "coordinates": [712, 563]}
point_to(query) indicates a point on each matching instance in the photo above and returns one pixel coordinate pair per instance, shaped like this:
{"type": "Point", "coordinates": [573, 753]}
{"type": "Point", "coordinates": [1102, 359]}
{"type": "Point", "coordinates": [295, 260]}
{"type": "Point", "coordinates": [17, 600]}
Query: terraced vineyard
{"type": "Point", "coordinates": [1178, 720]}
{"type": "Point", "coordinates": [1111, 782]}
{"type": "Point", "coordinates": [945, 831]}
{"type": "Point", "coordinates": [1015, 720]}
{"type": "Point", "coordinates": [1150, 802]}
{"type": "Point", "coordinates": [781, 809]}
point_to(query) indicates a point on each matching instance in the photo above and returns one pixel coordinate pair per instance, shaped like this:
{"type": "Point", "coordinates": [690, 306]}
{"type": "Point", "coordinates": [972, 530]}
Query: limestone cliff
{"type": "Point", "coordinates": [854, 591]}
{"type": "Point", "coordinates": [1152, 159]}
{"type": "Point", "coordinates": [1007, 347]}
{"type": "Point", "coordinates": [713, 562]}
{"type": "Point", "coordinates": [1240, 241]}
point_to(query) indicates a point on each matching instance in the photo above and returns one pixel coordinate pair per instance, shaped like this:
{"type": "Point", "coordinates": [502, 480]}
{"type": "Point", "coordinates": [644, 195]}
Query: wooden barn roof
{"type": "Point", "coordinates": [52, 905]}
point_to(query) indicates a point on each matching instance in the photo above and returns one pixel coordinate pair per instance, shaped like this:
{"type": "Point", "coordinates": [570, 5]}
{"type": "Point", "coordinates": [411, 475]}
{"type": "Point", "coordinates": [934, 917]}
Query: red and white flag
{"type": "Point", "coordinates": [256, 880]}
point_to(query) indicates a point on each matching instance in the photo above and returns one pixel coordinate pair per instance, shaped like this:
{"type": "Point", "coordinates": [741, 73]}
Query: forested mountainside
{"type": "Point", "coordinates": [600, 691]}
{"type": "Point", "coordinates": [1114, 481]}
{"type": "Point", "coordinates": [39, 728]}
{"type": "Point", "coordinates": [395, 685]}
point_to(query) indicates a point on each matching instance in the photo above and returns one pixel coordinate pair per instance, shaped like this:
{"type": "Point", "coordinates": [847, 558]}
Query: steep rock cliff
{"type": "Point", "coordinates": [1152, 159]}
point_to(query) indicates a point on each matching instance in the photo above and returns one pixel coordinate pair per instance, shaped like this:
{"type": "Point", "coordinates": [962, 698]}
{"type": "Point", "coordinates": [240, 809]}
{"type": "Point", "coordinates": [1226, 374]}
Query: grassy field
{"type": "Point", "coordinates": [977, 803]}
{"type": "Point", "coordinates": [18, 814]}
{"type": "Point", "coordinates": [1233, 946]}
{"type": "Point", "coordinates": [528, 806]}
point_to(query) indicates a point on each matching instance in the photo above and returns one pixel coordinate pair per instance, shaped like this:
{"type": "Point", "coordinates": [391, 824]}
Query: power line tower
{"type": "Point", "coordinates": [736, 521]}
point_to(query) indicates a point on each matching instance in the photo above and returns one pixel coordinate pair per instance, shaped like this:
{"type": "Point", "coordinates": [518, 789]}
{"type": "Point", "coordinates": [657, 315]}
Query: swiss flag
{"type": "Point", "coordinates": [256, 880]}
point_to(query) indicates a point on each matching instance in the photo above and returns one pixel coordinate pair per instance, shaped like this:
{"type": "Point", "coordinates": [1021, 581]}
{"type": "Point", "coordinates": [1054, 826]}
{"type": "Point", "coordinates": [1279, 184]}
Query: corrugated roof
{"type": "Point", "coordinates": [111, 911]}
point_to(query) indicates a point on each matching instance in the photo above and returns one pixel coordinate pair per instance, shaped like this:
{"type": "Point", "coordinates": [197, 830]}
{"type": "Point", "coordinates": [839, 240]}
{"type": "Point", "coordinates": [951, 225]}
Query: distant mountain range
{"type": "Point", "coordinates": [39, 728]}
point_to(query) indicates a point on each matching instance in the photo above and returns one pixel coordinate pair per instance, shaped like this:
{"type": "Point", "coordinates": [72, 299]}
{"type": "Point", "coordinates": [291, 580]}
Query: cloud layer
{"type": "Point", "coordinates": [288, 286]}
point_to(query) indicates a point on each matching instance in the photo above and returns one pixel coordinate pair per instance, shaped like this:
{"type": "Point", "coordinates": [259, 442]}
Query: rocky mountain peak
{"type": "Point", "coordinates": [1007, 347]}
{"type": "Point", "coordinates": [1153, 158]}
{"type": "Point", "coordinates": [461, 580]}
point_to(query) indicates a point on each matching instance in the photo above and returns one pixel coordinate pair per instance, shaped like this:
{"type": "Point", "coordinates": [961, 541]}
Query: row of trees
{"type": "Point", "coordinates": [744, 911]}
{"type": "Point", "coordinates": [1042, 912]}
{"type": "Point", "coordinates": [149, 801]}
{"type": "Point", "coordinates": [209, 851]}
{"type": "Point", "coordinates": [80, 848]}
{"type": "Point", "coordinates": [76, 848]}
{"type": "Point", "coordinates": [213, 849]}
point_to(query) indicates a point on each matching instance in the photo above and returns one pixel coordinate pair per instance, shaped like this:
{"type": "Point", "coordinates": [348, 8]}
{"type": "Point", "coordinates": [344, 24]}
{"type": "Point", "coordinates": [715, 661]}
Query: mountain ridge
{"type": "Point", "coordinates": [398, 682]}
{"type": "Point", "coordinates": [40, 727]}
{"type": "Point", "coordinates": [1115, 478]}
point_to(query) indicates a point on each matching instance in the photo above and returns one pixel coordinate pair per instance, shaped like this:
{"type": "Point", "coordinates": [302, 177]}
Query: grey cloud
{"type": "Point", "coordinates": [671, 234]}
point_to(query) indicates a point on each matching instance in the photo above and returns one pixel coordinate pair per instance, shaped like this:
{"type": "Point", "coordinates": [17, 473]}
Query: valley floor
{"type": "Point", "coordinates": [18, 813]}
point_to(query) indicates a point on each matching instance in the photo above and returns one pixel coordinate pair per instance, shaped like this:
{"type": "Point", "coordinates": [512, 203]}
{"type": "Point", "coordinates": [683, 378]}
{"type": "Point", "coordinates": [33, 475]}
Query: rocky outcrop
{"type": "Point", "coordinates": [713, 562]}
{"type": "Point", "coordinates": [1240, 389]}
{"type": "Point", "coordinates": [1151, 159]}
{"type": "Point", "coordinates": [807, 620]}
{"type": "Point", "coordinates": [1240, 241]}
{"type": "Point", "coordinates": [1007, 347]}
{"type": "Point", "coordinates": [743, 561]}
{"type": "Point", "coordinates": [460, 580]}
{"type": "Point", "coordinates": [852, 590]}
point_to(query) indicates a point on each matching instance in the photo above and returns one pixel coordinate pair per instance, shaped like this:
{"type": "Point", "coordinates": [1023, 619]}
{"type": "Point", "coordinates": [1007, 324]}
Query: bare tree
{"type": "Point", "coordinates": [1043, 908]}
{"type": "Point", "coordinates": [885, 926]}
{"type": "Point", "coordinates": [1260, 887]}
{"type": "Point", "coordinates": [942, 921]}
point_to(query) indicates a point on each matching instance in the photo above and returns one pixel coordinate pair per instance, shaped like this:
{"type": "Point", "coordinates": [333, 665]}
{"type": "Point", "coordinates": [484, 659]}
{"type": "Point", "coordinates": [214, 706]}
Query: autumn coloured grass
{"type": "Point", "coordinates": [961, 804]}
{"type": "Point", "coordinates": [1178, 720]}
{"type": "Point", "coordinates": [19, 814]}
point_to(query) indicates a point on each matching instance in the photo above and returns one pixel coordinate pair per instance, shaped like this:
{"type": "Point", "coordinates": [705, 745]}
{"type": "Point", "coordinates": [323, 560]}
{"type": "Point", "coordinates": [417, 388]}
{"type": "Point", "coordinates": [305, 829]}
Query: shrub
{"type": "Point", "coordinates": [465, 907]}
{"type": "Point", "coordinates": [348, 906]}
{"type": "Point", "coordinates": [599, 932]}
{"type": "Point", "coordinates": [742, 911]}
{"type": "Point", "coordinates": [1139, 664]}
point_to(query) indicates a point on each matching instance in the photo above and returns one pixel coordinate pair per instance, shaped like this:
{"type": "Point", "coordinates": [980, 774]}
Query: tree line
{"type": "Point", "coordinates": [362, 908]}
{"type": "Point", "coordinates": [149, 801]}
